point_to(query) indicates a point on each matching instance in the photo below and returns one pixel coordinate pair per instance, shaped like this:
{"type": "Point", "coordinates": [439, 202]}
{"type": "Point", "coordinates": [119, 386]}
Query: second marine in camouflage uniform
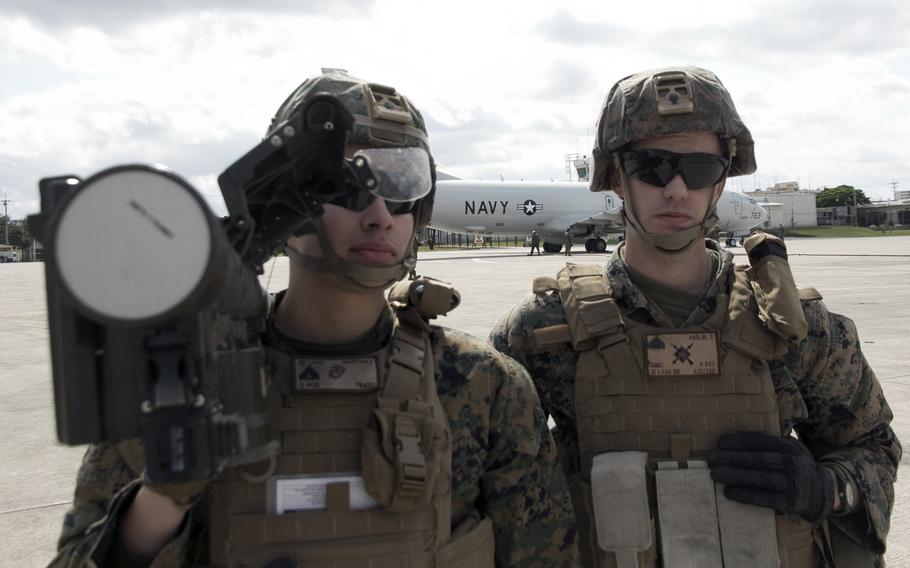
{"type": "Point", "coordinates": [823, 389]}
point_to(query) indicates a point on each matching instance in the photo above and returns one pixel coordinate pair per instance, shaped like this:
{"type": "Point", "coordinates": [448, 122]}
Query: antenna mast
{"type": "Point", "coordinates": [5, 203]}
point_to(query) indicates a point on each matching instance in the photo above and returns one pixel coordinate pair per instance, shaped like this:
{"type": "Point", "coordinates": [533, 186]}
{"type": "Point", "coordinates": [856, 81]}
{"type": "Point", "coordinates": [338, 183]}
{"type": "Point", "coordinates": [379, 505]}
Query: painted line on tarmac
{"type": "Point", "coordinates": [515, 255]}
{"type": "Point", "coordinates": [27, 509]}
{"type": "Point", "coordinates": [848, 254]}
{"type": "Point", "coordinates": [897, 380]}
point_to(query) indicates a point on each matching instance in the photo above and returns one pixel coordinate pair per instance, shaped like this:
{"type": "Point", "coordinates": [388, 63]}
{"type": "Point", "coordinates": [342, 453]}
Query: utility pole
{"type": "Point", "coordinates": [855, 210]}
{"type": "Point", "coordinates": [5, 203]}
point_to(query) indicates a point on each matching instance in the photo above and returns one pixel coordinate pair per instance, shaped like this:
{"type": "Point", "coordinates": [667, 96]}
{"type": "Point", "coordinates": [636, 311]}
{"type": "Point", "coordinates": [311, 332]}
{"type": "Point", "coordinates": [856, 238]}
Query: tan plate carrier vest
{"type": "Point", "coordinates": [618, 408]}
{"type": "Point", "coordinates": [396, 435]}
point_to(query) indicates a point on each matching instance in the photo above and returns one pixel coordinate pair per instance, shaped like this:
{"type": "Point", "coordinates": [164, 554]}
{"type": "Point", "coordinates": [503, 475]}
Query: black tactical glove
{"type": "Point", "coordinates": [768, 471]}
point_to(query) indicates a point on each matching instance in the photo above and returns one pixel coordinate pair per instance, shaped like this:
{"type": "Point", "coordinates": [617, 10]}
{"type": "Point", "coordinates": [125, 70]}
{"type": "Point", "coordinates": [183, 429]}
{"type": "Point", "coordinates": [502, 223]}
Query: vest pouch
{"type": "Point", "coordinates": [748, 533]}
{"type": "Point", "coordinates": [796, 544]}
{"type": "Point", "coordinates": [619, 493]}
{"type": "Point", "coordinates": [401, 454]}
{"type": "Point", "coordinates": [687, 516]}
{"type": "Point", "coordinates": [470, 547]}
{"type": "Point", "coordinates": [847, 552]}
{"type": "Point", "coordinates": [775, 290]}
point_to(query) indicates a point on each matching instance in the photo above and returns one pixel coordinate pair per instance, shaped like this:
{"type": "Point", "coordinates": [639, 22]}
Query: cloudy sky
{"type": "Point", "coordinates": [508, 87]}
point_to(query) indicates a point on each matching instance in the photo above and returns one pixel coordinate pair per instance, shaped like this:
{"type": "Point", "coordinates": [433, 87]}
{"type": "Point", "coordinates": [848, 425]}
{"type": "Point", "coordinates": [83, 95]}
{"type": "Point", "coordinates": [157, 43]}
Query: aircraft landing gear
{"type": "Point", "coordinates": [552, 247]}
{"type": "Point", "coordinates": [596, 244]}
{"type": "Point", "coordinates": [731, 242]}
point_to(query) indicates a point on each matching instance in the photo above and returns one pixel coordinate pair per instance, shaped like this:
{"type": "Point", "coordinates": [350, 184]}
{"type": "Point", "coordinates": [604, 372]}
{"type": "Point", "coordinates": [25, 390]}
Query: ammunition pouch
{"type": "Point", "coordinates": [698, 525]}
{"type": "Point", "coordinates": [401, 453]}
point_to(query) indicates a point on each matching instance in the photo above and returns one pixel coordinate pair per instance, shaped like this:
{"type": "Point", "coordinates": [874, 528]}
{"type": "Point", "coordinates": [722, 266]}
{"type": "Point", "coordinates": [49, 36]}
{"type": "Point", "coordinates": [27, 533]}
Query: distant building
{"type": "Point", "coordinates": [788, 205]}
{"type": "Point", "coordinates": [839, 215]}
{"type": "Point", "coordinates": [902, 194]}
{"type": "Point", "coordinates": [887, 213]}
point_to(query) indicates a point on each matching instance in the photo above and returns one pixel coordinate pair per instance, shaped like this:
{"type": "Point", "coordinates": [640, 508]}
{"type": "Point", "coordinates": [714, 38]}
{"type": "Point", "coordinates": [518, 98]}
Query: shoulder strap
{"type": "Point", "coordinates": [407, 356]}
{"type": "Point", "coordinates": [593, 318]}
{"type": "Point", "coordinates": [401, 465]}
{"type": "Point", "coordinates": [590, 311]}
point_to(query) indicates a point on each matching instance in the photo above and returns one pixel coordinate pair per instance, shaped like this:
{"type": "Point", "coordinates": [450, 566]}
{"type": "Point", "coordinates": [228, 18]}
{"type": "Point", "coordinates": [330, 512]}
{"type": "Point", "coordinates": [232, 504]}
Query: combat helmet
{"type": "Point", "coordinates": [383, 119]}
{"type": "Point", "coordinates": [658, 102]}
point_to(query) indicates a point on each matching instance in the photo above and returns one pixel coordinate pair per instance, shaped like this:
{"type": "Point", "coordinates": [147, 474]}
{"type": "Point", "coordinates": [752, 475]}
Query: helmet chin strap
{"type": "Point", "coordinates": [674, 242]}
{"type": "Point", "coordinates": [354, 277]}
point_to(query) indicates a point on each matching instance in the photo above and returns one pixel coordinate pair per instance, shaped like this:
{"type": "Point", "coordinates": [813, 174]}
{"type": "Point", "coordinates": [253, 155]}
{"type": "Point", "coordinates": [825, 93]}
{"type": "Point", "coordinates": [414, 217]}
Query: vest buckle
{"type": "Point", "coordinates": [410, 460]}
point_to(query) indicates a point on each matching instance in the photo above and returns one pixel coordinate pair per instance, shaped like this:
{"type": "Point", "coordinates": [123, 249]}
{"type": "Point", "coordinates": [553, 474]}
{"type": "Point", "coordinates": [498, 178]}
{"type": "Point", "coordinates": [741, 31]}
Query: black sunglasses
{"type": "Point", "coordinates": [360, 199]}
{"type": "Point", "coordinates": [658, 167]}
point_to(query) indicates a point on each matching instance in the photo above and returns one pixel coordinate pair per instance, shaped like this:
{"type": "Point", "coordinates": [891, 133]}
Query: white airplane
{"type": "Point", "coordinates": [514, 209]}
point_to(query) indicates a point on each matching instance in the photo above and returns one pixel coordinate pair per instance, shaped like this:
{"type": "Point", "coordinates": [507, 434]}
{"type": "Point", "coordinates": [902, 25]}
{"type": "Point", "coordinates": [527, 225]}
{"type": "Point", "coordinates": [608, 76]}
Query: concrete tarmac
{"type": "Point", "coordinates": [864, 278]}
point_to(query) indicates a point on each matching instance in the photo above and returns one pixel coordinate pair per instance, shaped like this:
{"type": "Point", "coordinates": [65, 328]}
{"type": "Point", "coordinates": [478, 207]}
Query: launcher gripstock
{"type": "Point", "coordinates": [154, 322]}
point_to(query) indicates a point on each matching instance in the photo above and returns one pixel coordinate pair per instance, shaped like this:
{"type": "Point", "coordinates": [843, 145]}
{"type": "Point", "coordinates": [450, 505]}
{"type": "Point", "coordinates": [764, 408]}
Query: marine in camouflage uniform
{"type": "Point", "coordinates": [825, 391]}
{"type": "Point", "coordinates": [504, 464]}
{"type": "Point", "coordinates": [504, 460]}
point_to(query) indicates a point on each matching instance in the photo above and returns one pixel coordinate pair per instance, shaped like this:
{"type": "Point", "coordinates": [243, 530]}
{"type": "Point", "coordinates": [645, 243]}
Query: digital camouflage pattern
{"type": "Point", "coordinates": [504, 462]}
{"type": "Point", "coordinates": [630, 113]}
{"type": "Point", "coordinates": [826, 391]}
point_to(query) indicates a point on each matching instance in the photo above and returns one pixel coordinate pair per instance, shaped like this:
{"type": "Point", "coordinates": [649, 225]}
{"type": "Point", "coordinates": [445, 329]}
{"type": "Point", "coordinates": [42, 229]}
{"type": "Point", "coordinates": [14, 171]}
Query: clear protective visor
{"type": "Point", "coordinates": [394, 174]}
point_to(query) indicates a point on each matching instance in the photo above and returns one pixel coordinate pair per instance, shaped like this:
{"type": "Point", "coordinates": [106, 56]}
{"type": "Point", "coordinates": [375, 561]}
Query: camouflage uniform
{"type": "Point", "coordinates": [825, 389]}
{"type": "Point", "coordinates": [504, 463]}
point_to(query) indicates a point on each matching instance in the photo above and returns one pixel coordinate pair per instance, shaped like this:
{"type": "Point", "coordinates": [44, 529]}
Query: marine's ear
{"type": "Point", "coordinates": [616, 183]}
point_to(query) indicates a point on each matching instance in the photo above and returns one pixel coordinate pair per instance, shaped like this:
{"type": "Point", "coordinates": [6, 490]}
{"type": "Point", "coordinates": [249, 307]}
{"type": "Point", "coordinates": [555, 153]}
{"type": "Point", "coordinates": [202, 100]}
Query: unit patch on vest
{"type": "Point", "coordinates": [682, 354]}
{"type": "Point", "coordinates": [358, 374]}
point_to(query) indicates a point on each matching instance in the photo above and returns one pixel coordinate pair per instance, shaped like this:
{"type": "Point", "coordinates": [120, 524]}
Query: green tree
{"type": "Point", "coordinates": [840, 195]}
{"type": "Point", "coordinates": [19, 236]}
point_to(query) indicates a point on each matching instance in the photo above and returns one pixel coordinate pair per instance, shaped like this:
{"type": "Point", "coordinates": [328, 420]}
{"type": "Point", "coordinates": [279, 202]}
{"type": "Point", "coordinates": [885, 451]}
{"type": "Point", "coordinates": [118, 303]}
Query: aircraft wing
{"type": "Point", "coordinates": [608, 218]}
{"type": "Point", "coordinates": [440, 175]}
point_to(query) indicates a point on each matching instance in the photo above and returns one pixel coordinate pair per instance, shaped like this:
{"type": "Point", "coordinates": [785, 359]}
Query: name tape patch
{"type": "Point", "coordinates": [358, 374]}
{"type": "Point", "coordinates": [682, 354]}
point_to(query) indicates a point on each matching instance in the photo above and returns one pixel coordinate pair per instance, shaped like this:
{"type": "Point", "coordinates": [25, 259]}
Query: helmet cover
{"type": "Point", "coordinates": [669, 100]}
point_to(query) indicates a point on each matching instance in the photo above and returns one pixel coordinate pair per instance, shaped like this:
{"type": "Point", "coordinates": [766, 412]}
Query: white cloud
{"type": "Point", "coordinates": [507, 87]}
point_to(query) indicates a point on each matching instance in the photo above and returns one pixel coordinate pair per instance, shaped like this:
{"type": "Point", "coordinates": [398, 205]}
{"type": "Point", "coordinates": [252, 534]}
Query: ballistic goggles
{"type": "Point", "coordinates": [659, 167]}
{"type": "Point", "coordinates": [400, 176]}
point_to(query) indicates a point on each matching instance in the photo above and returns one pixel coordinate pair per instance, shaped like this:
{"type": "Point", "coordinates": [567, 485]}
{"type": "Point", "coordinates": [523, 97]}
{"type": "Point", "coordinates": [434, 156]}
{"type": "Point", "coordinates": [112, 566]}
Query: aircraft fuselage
{"type": "Point", "coordinates": [514, 209]}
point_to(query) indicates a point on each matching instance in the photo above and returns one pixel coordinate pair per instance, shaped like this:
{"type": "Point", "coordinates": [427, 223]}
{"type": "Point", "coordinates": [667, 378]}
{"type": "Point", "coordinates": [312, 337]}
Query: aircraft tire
{"type": "Point", "coordinates": [552, 247]}
{"type": "Point", "coordinates": [589, 245]}
{"type": "Point", "coordinates": [599, 245]}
